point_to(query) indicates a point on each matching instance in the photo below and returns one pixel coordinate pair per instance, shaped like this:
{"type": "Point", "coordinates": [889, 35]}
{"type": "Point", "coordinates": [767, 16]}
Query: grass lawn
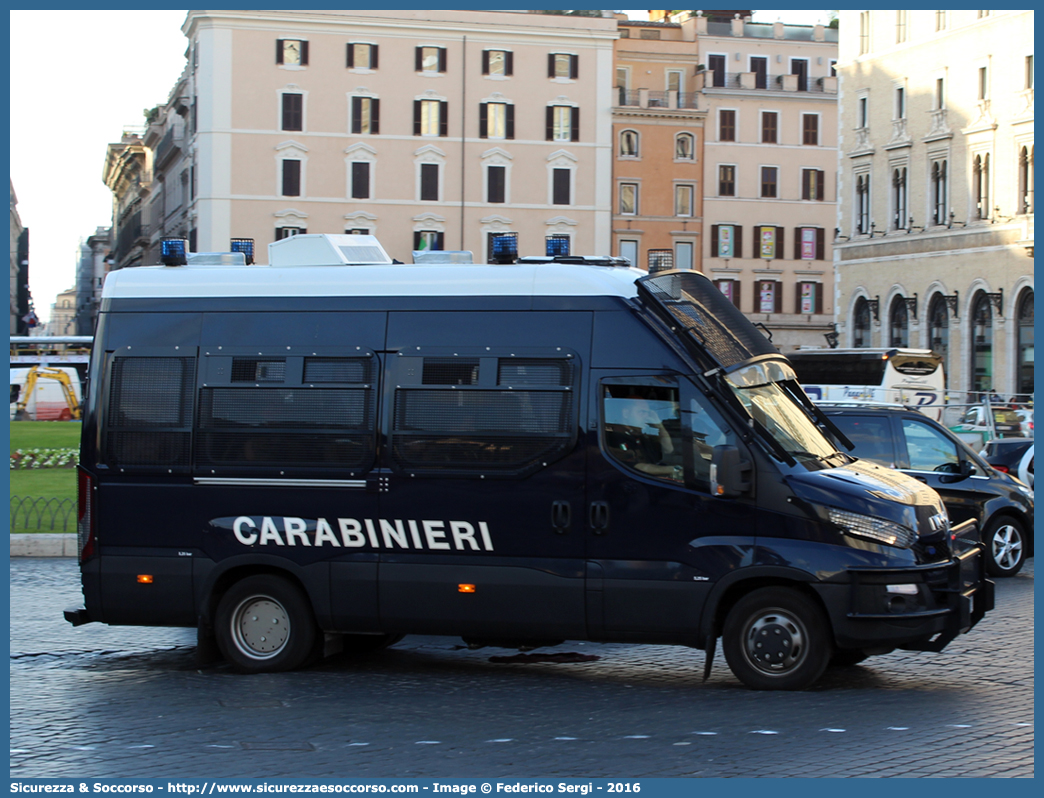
{"type": "Point", "coordinates": [59, 483]}
{"type": "Point", "coordinates": [45, 435]}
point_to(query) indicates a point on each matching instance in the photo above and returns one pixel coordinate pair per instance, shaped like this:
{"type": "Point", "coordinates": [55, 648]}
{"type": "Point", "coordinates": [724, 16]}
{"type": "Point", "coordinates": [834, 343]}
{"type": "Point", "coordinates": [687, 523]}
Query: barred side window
{"type": "Point", "coordinates": [286, 416]}
{"type": "Point", "coordinates": [148, 424]}
{"type": "Point", "coordinates": [484, 416]}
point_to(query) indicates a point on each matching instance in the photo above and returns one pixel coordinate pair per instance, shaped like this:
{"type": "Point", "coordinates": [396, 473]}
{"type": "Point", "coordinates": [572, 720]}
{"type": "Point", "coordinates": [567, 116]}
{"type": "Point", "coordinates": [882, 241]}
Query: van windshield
{"type": "Point", "coordinates": [759, 390]}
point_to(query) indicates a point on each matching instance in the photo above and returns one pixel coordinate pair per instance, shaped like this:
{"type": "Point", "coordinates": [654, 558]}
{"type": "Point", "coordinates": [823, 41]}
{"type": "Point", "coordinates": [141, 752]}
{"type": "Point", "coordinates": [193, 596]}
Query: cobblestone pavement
{"type": "Point", "coordinates": [100, 701]}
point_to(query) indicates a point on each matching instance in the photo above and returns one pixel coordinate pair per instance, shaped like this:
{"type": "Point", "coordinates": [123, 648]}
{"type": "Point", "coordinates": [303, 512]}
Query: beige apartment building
{"type": "Point", "coordinates": [936, 190]}
{"type": "Point", "coordinates": [428, 129]}
{"type": "Point", "coordinates": [770, 168]}
{"type": "Point", "coordinates": [658, 146]}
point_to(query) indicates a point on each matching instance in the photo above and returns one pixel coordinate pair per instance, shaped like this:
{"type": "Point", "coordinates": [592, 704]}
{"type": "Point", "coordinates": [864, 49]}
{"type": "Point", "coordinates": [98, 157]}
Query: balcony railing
{"type": "Point", "coordinates": [647, 98]}
{"type": "Point", "coordinates": [757, 81]}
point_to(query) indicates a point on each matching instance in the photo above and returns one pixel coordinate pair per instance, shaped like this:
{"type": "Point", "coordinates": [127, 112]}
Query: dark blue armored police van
{"type": "Point", "coordinates": [338, 447]}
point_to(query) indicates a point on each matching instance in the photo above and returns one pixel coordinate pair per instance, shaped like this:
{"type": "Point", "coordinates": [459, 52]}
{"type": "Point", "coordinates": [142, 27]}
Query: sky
{"type": "Point", "coordinates": [62, 118]}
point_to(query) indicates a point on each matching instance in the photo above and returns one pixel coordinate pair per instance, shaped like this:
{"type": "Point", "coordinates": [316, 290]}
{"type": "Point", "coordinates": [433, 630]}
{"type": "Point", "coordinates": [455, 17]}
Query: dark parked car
{"type": "Point", "coordinates": [970, 487]}
{"type": "Point", "coordinates": [1012, 456]}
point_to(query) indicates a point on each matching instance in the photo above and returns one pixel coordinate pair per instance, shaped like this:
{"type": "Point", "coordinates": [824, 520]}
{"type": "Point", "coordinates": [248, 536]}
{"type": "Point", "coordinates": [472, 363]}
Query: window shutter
{"type": "Point", "coordinates": [291, 178]}
{"type": "Point", "coordinates": [375, 115]}
{"type": "Point", "coordinates": [797, 297]}
{"type": "Point", "coordinates": [442, 59]}
{"type": "Point", "coordinates": [779, 296]}
{"type": "Point", "coordinates": [416, 240]}
{"type": "Point", "coordinates": [805, 194]}
{"type": "Point", "coordinates": [485, 62]}
{"type": "Point", "coordinates": [560, 187]}
{"type": "Point", "coordinates": [737, 239]}
{"type": "Point", "coordinates": [351, 55]}
{"type": "Point", "coordinates": [550, 64]}
{"type": "Point", "coordinates": [819, 298]}
{"type": "Point", "coordinates": [714, 240]}
{"type": "Point", "coordinates": [483, 121]}
{"type": "Point", "coordinates": [736, 286]}
{"type": "Point", "coordinates": [440, 241]}
{"type": "Point", "coordinates": [509, 63]}
{"type": "Point", "coordinates": [550, 122]}
{"type": "Point", "coordinates": [820, 243]}
{"type": "Point", "coordinates": [797, 243]}
{"type": "Point", "coordinates": [443, 118]}
{"type": "Point", "coordinates": [574, 66]}
{"type": "Point", "coordinates": [820, 185]}
{"type": "Point", "coordinates": [757, 241]}
{"type": "Point", "coordinates": [416, 117]}
{"type": "Point", "coordinates": [356, 113]}
{"type": "Point", "coordinates": [304, 53]}
{"type": "Point", "coordinates": [779, 243]}
{"type": "Point", "coordinates": [509, 127]}
{"type": "Point", "coordinates": [574, 125]}
{"type": "Point", "coordinates": [360, 180]}
{"type": "Point", "coordinates": [279, 51]}
{"type": "Point", "coordinates": [418, 63]}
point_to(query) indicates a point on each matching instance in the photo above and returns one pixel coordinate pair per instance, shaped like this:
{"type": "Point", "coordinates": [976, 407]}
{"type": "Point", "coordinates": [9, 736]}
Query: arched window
{"type": "Point", "coordinates": [898, 324]}
{"type": "Point", "coordinates": [982, 343]}
{"type": "Point", "coordinates": [981, 175]}
{"type": "Point", "coordinates": [899, 199]}
{"type": "Point", "coordinates": [684, 147]}
{"type": "Point", "coordinates": [629, 144]}
{"type": "Point", "coordinates": [939, 329]}
{"type": "Point", "coordinates": [861, 323]}
{"type": "Point", "coordinates": [1024, 368]}
{"type": "Point", "coordinates": [1026, 180]}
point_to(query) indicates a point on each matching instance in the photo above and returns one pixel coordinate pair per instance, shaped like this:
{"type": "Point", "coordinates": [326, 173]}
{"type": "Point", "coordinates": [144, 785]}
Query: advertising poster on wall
{"type": "Point", "coordinates": [808, 296]}
{"type": "Point", "coordinates": [725, 239]}
{"type": "Point", "coordinates": [767, 297]}
{"type": "Point", "coordinates": [808, 243]}
{"type": "Point", "coordinates": [768, 242]}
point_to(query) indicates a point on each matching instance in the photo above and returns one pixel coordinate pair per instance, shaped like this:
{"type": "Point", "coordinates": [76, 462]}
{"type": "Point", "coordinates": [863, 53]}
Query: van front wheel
{"type": "Point", "coordinates": [264, 624]}
{"type": "Point", "coordinates": [777, 639]}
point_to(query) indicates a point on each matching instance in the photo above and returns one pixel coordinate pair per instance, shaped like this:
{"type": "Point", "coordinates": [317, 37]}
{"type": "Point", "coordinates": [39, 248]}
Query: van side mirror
{"type": "Point", "coordinates": [729, 475]}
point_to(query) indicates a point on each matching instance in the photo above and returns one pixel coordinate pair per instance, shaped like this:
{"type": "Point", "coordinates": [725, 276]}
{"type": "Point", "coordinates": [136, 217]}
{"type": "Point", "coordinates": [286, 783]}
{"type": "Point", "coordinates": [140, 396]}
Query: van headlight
{"type": "Point", "coordinates": [868, 527]}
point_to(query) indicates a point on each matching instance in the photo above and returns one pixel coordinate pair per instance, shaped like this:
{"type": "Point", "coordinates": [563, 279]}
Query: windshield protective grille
{"type": "Point", "coordinates": [692, 302]}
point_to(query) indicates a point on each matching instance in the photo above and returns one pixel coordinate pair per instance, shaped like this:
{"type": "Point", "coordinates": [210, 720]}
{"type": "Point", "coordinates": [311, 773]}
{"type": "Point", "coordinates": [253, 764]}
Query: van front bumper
{"type": "Point", "coordinates": [917, 608]}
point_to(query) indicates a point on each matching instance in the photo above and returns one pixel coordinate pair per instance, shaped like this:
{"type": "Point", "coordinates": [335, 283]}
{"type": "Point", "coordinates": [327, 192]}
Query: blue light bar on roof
{"type": "Point", "coordinates": [174, 251]}
{"type": "Point", "coordinates": [505, 248]}
{"type": "Point", "coordinates": [557, 245]}
{"type": "Point", "coordinates": [244, 245]}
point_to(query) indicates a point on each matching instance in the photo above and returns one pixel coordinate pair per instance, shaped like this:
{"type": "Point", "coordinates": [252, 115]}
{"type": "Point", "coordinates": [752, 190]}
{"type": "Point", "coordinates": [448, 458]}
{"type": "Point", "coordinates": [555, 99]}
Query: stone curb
{"type": "Point", "coordinates": [43, 545]}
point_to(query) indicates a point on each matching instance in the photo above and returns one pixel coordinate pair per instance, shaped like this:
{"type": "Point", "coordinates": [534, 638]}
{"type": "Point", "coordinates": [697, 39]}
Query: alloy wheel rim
{"type": "Point", "coordinates": [1007, 547]}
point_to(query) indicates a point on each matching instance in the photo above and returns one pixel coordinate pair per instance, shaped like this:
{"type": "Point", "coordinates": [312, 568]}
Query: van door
{"type": "Point", "coordinates": [657, 540]}
{"type": "Point", "coordinates": [483, 475]}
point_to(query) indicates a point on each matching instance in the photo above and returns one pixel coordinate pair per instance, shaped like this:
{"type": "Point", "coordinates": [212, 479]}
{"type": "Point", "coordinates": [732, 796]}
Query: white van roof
{"type": "Point", "coordinates": [325, 268]}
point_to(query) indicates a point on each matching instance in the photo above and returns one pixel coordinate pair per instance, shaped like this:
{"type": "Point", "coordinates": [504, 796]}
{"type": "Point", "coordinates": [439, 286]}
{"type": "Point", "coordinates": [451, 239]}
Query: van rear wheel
{"type": "Point", "coordinates": [777, 639]}
{"type": "Point", "coordinates": [264, 624]}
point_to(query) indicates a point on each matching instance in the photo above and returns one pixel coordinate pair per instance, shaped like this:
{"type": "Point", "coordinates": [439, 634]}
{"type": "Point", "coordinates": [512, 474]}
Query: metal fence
{"type": "Point", "coordinates": [43, 514]}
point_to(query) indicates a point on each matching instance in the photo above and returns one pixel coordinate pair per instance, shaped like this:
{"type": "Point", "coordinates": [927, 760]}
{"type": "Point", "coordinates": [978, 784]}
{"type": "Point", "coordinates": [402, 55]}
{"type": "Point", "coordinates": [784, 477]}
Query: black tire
{"type": "Point", "coordinates": [1006, 543]}
{"type": "Point", "coordinates": [264, 624]}
{"type": "Point", "coordinates": [777, 639]}
{"type": "Point", "coordinates": [847, 657]}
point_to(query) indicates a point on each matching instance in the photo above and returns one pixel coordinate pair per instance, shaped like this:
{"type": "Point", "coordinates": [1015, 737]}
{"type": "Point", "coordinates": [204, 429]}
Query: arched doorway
{"type": "Point", "coordinates": [861, 323]}
{"type": "Point", "coordinates": [939, 330]}
{"type": "Point", "coordinates": [898, 323]}
{"type": "Point", "coordinates": [1024, 352]}
{"type": "Point", "coordinates": [982, 343]}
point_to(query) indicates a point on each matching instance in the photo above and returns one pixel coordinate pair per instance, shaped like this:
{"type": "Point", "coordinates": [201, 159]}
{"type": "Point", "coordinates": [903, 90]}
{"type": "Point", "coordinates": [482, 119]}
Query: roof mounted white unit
{"type": "Point", "coordinates": [442, 256]}
{"type": "Point", "coordinates": [327, 250]}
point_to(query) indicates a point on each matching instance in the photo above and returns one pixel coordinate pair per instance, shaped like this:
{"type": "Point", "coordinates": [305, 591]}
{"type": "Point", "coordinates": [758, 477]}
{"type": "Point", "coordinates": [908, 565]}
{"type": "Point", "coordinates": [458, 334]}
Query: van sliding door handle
{"type": "Point", "coordinates": [561, 516]}
{"type": "Point", "coordinates": [598, 517]}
